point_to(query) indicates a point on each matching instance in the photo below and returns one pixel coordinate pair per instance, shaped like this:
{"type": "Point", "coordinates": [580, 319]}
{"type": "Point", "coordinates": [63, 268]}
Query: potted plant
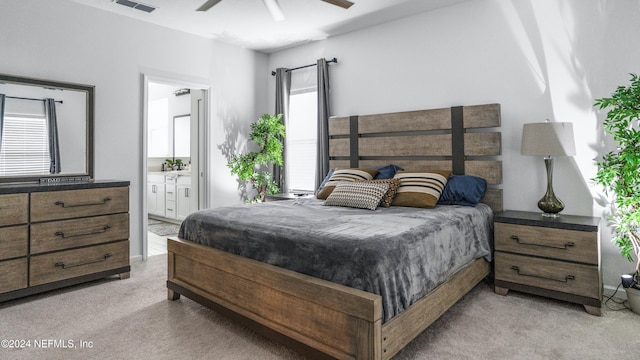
{"type": "Point", "coordinates": [174, 164]}
{"type": "Point", "coordinates": [619, 174]}
{"type": "Point", "coordinates": [267, 132]}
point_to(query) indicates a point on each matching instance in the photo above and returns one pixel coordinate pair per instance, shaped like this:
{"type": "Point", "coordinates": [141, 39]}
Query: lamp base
{"type": "Point", "coordinates": [550, 215]}
{"type": "Point", "coordinates": [550, 204]}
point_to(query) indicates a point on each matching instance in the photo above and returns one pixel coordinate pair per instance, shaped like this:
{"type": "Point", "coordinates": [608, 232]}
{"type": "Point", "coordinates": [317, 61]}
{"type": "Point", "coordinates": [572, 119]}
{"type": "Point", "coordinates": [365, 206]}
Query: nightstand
{"type": "Point", "coordinates": [554, 257]}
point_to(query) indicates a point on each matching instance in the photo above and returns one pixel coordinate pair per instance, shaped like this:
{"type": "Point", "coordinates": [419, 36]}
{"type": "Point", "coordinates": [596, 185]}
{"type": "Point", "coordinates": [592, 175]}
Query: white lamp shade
{"type": "Point", "coordinates": [549, 138]}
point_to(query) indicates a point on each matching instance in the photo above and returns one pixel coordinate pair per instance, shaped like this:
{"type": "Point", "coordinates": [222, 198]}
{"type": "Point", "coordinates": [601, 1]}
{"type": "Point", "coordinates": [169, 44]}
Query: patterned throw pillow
{"type": "Point", "coordinates": [387, 199]}
{"type": "Point", "coordinates": [420, 188]}
{"type": "Point", "coordinates": [345, 175]}
{"type": "Point", "coordinates": [361, 195]}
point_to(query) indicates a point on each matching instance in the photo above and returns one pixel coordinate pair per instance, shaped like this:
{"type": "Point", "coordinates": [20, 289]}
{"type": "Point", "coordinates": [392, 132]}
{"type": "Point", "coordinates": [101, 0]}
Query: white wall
{"type": "Point", "coordinates": [538, 59]}
{"type": "Point", "coordinates": [66, 41]}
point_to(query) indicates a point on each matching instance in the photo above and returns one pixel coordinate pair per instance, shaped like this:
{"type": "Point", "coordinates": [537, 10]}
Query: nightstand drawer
{"type": "Point", "coordinates": [13, 242]}
{"type": "Point", "coordinates": [65, 234]}
{"type": "Point", "coordinates": [548, 274]}
{"type": "Point", "coordinates": [73, 263]}
{"type": "Point", "coordinates": [578, 246]}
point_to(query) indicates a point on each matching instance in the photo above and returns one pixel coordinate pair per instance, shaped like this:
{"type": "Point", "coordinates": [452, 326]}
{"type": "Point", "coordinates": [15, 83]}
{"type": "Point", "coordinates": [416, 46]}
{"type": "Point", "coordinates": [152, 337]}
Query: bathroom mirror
{"type": "Point", "coordinates": [52, 142]}
{"type": "Point", "coordinates": [182, 136]}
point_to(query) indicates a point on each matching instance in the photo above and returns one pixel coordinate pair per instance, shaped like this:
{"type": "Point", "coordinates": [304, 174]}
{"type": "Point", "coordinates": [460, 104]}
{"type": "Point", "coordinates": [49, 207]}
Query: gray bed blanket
{"type": "Point", "coordinates": [399, 253]}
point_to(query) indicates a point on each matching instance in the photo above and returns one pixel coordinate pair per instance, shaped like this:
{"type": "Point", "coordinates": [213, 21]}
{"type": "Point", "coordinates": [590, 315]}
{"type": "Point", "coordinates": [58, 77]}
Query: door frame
{"type": "Point", "coordinates": [203, 140]}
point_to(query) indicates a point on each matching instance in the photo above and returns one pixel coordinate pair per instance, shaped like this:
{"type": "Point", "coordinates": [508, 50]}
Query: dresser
{"type": "Point", "coordinates": [52, 236]}
{"type": "Point", "coordinates": [554, 257]}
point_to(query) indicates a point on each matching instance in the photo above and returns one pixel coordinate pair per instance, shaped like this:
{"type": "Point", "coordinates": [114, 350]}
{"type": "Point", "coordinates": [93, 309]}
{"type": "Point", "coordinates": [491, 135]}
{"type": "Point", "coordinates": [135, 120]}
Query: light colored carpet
{"type": "Point", "coordinates": [132, 319]}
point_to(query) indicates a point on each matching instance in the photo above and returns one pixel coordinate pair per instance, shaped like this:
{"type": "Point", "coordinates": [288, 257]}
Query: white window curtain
{"type": "Point", "coordinates": [301, 133]}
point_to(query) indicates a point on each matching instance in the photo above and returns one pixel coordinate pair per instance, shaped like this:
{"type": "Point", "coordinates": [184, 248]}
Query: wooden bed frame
{"type": "Point", "coordinates": [323, 319]}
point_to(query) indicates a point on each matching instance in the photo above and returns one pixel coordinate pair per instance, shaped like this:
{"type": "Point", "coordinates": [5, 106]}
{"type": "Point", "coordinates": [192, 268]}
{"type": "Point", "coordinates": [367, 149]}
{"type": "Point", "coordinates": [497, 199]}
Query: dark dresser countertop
{"type": "Point", "coordinates": [568, 222]}
{"type": "Point", "coordinates": [17, 188]}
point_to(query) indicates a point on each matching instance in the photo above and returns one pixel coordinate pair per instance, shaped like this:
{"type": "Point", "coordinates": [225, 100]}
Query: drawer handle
{"type": "Point", "coordinates": [65, 266]}
{"type": "Point", "coordinates": [92, 232]}
{"type": "Point", "coordinates": [563, 247]}
{"type": "Point", "coordinates": [566, 279]}
{"type": "Point", "coordinates": [103, 202]}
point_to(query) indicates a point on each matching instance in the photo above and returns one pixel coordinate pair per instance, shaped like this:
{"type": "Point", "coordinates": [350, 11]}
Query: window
{"type": "Point", "coordinates": [25, 145]}
{"type": "Point", "coordinates": [301, 139]}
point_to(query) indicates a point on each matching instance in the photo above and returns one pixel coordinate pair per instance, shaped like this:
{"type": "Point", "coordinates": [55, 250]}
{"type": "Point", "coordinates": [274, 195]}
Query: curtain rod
{"type": "Point", "coordinates": [334, 60]}
{"type": "Point", "coordinates": [23, 98]}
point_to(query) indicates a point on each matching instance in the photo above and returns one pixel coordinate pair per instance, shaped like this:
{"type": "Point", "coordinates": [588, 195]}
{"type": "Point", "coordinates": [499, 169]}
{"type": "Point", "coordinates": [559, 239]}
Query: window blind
{"type": "Point", "coordinates": [25, 146]}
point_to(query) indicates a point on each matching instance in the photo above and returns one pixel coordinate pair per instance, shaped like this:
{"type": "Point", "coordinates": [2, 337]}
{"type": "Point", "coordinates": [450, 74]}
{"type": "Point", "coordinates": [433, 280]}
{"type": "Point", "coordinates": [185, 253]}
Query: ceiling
{"type": "Point", "coordinates": [248, 24]}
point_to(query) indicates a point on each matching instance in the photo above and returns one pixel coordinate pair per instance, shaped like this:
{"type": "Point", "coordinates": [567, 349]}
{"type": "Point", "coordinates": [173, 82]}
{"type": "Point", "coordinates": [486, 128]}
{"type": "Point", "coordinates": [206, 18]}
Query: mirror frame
{"type": "Point", "coordinates": [89, 161]}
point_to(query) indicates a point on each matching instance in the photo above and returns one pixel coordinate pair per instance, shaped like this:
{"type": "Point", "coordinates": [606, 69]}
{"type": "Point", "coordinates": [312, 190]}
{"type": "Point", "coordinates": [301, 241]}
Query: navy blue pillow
{"type": "Point", "coordinates": [386, 172]}
{"type": "Point", "coordinates": [464, 190]}
{"type": "Point", "coordinates": [326, 179]}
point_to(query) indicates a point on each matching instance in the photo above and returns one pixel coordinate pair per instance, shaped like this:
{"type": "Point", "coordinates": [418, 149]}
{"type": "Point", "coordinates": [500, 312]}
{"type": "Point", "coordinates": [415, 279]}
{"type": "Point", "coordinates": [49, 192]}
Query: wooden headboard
{"type": "Point", "coordinates": [459, 139]}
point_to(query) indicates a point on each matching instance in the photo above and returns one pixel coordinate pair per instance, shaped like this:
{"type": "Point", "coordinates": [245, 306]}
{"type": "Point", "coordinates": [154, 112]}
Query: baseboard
{"type": "Point", "coordinates": [611, 291]}
{"type": "Point", "coordinates": [135, 258]}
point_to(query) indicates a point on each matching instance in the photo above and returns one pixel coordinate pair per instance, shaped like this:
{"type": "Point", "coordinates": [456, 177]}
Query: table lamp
{"type": "Point", "coordinates": [548, 139]}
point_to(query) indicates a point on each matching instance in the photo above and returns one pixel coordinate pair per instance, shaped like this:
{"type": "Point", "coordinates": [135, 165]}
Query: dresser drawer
{"type": "Point", "coordinates": [65, 234]}
{"type": "Point", "coordinates": [54, 205]}
{"type": "Point", "coordinates": [578, 246]}
{"type": "Point", "coordinates": [73, 263]}
{"type": "Point", "coordinates": [577, 279]}
{"type": "Point", "coordinates": [14, 209]}
{"type": "Point", "coordinates": [13, 242]}
{"type": "Point", "coordinates": [14, 275]}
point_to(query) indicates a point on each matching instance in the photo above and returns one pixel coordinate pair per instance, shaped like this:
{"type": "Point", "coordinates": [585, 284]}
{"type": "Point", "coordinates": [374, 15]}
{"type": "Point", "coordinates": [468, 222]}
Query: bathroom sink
{"type": "Point", "coordinates": [176, 173]}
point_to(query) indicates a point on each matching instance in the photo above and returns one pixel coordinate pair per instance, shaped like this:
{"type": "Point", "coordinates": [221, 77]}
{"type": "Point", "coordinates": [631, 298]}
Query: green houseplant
{"type": "Point", "coordinates": [619, 170]}
{"type": "Point", "coordinates": [175, 164]}
{"type": "Point", "coordinates": [267, 132]}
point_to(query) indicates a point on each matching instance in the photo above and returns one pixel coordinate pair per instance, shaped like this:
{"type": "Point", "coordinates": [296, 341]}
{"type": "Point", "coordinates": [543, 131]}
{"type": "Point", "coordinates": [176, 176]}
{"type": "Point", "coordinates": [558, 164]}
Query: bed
{"type": "Point", "coordinates": [338, 319]}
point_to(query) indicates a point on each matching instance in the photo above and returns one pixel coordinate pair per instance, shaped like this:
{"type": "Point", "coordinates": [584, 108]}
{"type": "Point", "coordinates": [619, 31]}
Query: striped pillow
{"type": "Point", "coordinates": [345, 175]}
{"type": "Point", "coordinates": [420, 188]}
{"type": "Point", "coordinates": [387, 199]}
{"type": "Point", "coordinates": [361, 195]}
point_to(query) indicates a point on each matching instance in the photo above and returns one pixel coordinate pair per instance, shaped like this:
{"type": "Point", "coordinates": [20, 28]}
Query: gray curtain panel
{"type": "Point", "coordinates": [324, 111]}
{"type": "Point", "coordinates": [283, 88]}
{"type": "Point", "coordinates": [2, 98]}
{"type": "Point", "coordinates": [54, 142]}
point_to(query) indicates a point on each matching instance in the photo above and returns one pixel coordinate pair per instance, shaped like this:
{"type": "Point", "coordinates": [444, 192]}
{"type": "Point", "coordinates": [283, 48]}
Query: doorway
{"type": "Point", "coordinates": [173, 170]}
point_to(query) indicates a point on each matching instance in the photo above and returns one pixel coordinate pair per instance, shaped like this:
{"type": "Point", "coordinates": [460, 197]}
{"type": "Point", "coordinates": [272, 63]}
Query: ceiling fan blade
{"type": "Point", "coordinates": [207, 5]}
{"type": "Point", "coordinates": [274, 9]}
{"type": "Point", "coordinates": [342, 3]}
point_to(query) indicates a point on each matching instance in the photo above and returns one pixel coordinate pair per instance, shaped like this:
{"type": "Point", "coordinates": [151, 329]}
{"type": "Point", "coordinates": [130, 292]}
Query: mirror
{"type": "Point", "coordinates": [34, 145]}
{"type": "Point", "coordinates": [182, 136]}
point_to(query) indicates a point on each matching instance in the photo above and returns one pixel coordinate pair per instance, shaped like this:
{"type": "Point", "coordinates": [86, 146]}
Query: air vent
{"type": "Point", "coordinates": [135, 5]}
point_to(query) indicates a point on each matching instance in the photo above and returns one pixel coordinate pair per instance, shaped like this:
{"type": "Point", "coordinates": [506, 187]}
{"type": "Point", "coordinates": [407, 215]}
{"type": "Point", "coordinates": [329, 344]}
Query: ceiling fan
{"type": "Point", "coordinates": [274, 8]}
